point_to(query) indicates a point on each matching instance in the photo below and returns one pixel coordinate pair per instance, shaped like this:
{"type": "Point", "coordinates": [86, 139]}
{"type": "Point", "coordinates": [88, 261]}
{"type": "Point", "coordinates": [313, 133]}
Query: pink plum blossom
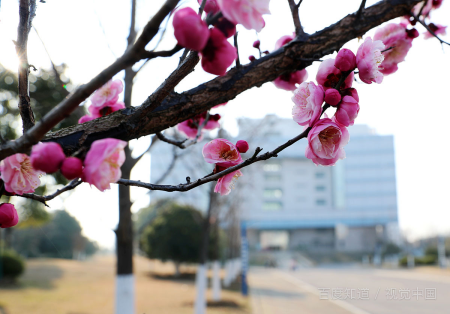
{"type": "Point", "coordinates": [347, 111]}
{"type": "Point", "coordinates": [308, 99]}
{"type": "Point", "coordinates": [47, 157]}
{"type": "Point", "coordinates": [242, 146]}
{"type": "Point", "coordinates": [393, 35]}
{"type": "Point", "coordinates": [190, 31]}
{"type": "Point", "coordinates": [345, 60]}
{"type": "Point", "coordinates": [284, 40]}
{"type": "Point", "coordinates": [218, 53]}
{"type": "Point", "coordinates": [8, 215]}
{"type": "Point", "coordinates": [211, 6]}
{"type": "Point", "coordinates": [72, 168]}
{"type": "Point", "coordinates": [369, 59]}
{"type": "Point", "coordinates": [86, 118]}
{"type": "Point", "coordinates": [108, 93]}
{"type": "Point", "coordinates": [289, 80]}
{"type": "Point", "coordinates": [246, 12]}
{"type": "Point", "coordinates": [332, 97]}
{"type": "Point", "coordinates": [103, 161]}
{"type": "Point", "coordinates": [190, 126]}
{"type": "Point", "coordinates": [326, 142]}
{"type": "Point", "coordinates": [226, 183]}
{"type": "Point", "coordinates": [222, 153]}
{"type": "Point", "coordinates": [437, 29]}
{"type": "Point", "coordinates": [351, 92]}
{"type": "Point", "coordinates": [19, 175]}
{"type": "Point", "coordinates": [426, 9]}
{"type": "Point", "coordinates": [105, 109]}
{"type": "Point", "coordinates": [328, 75]}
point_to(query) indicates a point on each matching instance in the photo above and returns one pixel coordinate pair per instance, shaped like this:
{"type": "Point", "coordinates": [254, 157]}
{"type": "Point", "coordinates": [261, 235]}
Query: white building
{"type": "Point", "coordinates": [290, 203]}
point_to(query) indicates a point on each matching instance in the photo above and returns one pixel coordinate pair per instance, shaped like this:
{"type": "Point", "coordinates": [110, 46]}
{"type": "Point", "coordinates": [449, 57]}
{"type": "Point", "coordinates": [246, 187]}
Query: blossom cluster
{"type": "Point", "coordinates": [217, 53]}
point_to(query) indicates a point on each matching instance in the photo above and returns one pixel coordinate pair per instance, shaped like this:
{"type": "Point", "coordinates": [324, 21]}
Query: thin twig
{"type": "Point", "coordinates": [43, 199]}
{"type": "Point", "coordinates": [238, 62]}
{"type": "Point", "coordinates": [295, 16]}
{"type": "Point", "coordinates": [429, 29]}
{"type": "Point", "coordinates": [361, 8]}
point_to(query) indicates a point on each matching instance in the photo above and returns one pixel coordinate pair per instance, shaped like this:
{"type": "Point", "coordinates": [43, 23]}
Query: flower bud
{"type": "Point", "coordinates": [345, 60]}
{"type": "Point", "coordinates": [251, 58]}
{"type": "Point", "coordinates": [351, 92]}
{"type": "Point", "coordinates": [8, 215]}
{"type": "Point", "coordinates": [211, 6]}
{"type": "Point", "coordinates": [256, 44]}
{"type": "Point", "coordinates": [47, 157]}
{"type": "Point", "coordinates": [347, 111]}
{"type": "Point", "coordinates": [412, 33]}
{"type": "Point", "coordinates": [242, 146]}
{"type": "Point", "coordinates": [72, 168]}
{"type": "Point", "coordinates": [332, 97]}
{"type": "Point", "coordinates": [190, 31]}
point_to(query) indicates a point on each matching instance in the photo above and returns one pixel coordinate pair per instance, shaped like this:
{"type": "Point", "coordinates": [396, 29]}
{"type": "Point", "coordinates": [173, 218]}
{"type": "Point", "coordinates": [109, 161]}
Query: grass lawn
{"type": "Point", "coordinates": [55, 286]}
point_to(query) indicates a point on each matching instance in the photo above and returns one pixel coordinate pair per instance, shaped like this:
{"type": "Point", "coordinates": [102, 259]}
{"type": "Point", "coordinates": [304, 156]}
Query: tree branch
{"type": "Point", "coordinates": [43, 199]}
{"type": "Point", "coordinates": [361, 8]}
{"type": "Point", "coordinates": [21, 48]}
{"type": "Point", "coordinates": [295, 16]}
{"type": "Point", "coordinates": [132, 123]}
{"type": "Point", "coordinates": [429, 29]}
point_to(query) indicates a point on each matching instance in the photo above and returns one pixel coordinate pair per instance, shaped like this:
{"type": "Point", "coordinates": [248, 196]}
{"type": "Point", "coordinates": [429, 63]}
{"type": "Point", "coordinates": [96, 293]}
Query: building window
{"type": "Point", "coordinates": [272, 177]}
{"type": "Point", "coordinates": [272, 206]}
{"type": "Point", "coordinates": [320, 175]}
{"type": "Point", "coordinates": [321, 202]}
{"type": "Point", "coordinates": [271, 167]}
{"type": "Point", "coordinates": [273, 193]}
{"type": "Point", "coordinates": [320, 188]}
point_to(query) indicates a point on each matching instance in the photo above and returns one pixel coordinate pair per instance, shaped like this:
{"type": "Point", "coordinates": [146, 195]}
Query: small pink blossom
{"type": "Point", "coordinates": [19, 175]}
{"type": "Point", "coordinates": [226, 183]}
{"type": "Point", "coordinates": [288, 81]}
{"type": "Point", "coordinates": [242, 146]}
{"type": "Point", "coordinates": [222, 153]}
{"type": "Point", "coordinates": [103, 161]}
{"type": "Point", "coordinates": [72, 168]}
{"type": "Point", "coordinates": [347, 111]}
{"type": "Point", "coordinates": [105, 109]}
{"type": "Point", "coordinates": [190, 31]}
{"type": "Point", "coordinates": [369, 59]}
{"type": "Point", "coordinates": [246, 12]}
{"type": "Point", "coordinates": [308, 99]}
{"type": "Point", "coordinates": [326, 142]}
{"type": "Point", "coordinates": [218, 53]}
{"type": "Point", "coordinates": [396, 36]}
{"type": "Point", "coordinates": [86, 118]}
{"type": "Point", "coordinates": [190, 126]}
{"type": "Point", "coordinates": [256, 44]}
{"type": "Point", "coordinates": [47, 157]}
{"type": "Point", "coordinates": [351, 92]}
{"type": "Point", "coordinates": [211, 6]}
{"type": "Point", "coordinates": [332, 97]}
{"type": "Point", "coordinates": [8, 215]}
{"type": "Point", "coordinates": [437, 29]}
{"type": "Point", "coordinates": [284, 40]}
{"type": "Point", "coordinates": [328, 75]}
{"type": "Point", "coordinates": [345, 60]}
{"type": "Point", "coordinates": [426, 9]}
{"type": "Point", "coordinates": [108, 93]}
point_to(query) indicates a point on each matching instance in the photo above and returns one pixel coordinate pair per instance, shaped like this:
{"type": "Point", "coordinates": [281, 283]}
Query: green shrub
{"type": "Point", "coordinates": [424, 260]}
{"type": "Point", "coordinates": [11, 265]}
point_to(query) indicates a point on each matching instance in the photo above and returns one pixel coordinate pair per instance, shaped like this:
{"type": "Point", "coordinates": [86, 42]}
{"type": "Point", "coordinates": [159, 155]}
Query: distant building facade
{"type": "Point", "coordinates": [290, 203]}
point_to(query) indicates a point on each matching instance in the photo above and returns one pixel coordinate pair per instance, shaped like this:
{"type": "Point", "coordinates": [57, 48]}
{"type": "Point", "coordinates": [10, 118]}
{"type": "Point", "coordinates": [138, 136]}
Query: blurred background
{"type": "Point", "coordinates": [322, 239]}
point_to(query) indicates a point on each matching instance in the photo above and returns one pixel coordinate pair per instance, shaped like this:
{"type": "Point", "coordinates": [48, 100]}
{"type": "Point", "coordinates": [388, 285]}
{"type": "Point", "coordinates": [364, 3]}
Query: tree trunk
{"type": "Point", "coordinates": [177, 269]}
{"type": "Point", "coordinates": [124, 240]}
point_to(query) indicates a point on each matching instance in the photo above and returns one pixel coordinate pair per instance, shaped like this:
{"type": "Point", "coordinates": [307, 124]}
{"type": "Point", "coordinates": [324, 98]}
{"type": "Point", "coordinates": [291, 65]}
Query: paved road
{"type": "Point", "coordinates": [378, 291]}
{"type": "Point", "coordinates": [349, 291]}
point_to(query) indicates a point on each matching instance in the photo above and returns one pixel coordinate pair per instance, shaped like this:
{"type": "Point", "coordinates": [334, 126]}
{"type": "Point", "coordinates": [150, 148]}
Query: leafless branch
{"type": "Point", "coordinates": [21, 48]}
{"type": "Point", "coordinates": [295, 16]}
{"type": "Point", "coordinates": [361, 8]}
{"type": "Point", "coordinates": [238, 62]}
{"type": "Point", "coordinates": [429, 29]}
{"type": "Point", "coordinates": [43, 199]}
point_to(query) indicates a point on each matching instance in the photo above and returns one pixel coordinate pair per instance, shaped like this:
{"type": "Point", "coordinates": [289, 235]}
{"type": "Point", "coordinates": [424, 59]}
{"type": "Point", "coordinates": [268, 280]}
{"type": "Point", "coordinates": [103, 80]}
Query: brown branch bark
{"type": "Point", "coordinates": [43, 199]}
{"type": "Point", "coordinates": [160, 111]}
{"type": "Point", "coordinates": [21, 48]}
{"type": "Point", "coordinates": [295, 16]}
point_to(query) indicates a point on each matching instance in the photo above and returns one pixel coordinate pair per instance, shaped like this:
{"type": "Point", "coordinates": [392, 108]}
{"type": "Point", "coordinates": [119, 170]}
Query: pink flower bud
{"type": "Point", "coordinates": [256, 44]}
{"type": "Point", "coordinates": [347, 111]}
{"type": "Point", "coordinates": [412, 33]}
{"type": "Point", "coordinates": [332, 97]}
{"type": "Point", "coordinates": [86, 118]}
{"type": "Point", "coordinates": [8, 215]}
{"type": "Point", "coordinates": [190, 31]}
{"type": "Point", "coordinates": [47, 157]}
{"type": "Point", "coordinates": [211, 6]}
{"type": "Point", "coordinates": [251, 58]}
{"type": "Point", "coordinates": [72, 168]}
{"type": "Point", "coordinates": [226, 27]}
{"type": "Point", "coordinates": [345, 60]}
{"type": "Point", "coordinates": [242, 146]}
